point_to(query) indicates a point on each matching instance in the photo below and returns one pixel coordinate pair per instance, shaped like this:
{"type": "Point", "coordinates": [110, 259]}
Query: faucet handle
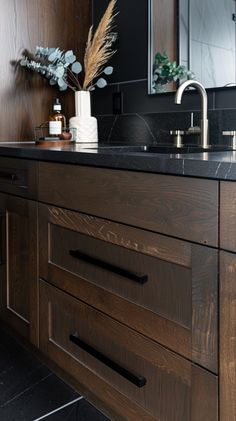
{"type": "Point", "coordinates": [232, 135]}
{"type": "Point", "coordinates": [177, 137]}
{"type": "Point", "coordinates": [193, 129]}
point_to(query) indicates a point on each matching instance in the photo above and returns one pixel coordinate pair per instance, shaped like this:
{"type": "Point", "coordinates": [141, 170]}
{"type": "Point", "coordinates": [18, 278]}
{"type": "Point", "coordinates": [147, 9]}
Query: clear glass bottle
{"type": "Point", "coordinates": [57, 120]}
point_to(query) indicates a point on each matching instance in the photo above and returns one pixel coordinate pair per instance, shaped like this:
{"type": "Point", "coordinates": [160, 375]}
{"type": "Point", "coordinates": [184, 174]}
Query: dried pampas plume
{"type": "Point", "coordinates": [98, 49]}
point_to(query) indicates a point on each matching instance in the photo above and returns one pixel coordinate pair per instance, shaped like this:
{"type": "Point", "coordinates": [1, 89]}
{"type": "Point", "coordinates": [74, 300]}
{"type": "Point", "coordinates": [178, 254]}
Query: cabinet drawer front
{"type": "Point", "coordinates": [144, 372]}
{"type": "Point", "coordinates": [156, 285]}
{"type": "Point", "coordinates": [145, 380]}
{"type": "Point", "coordinates": [178, 206]}
{"type": "Point", "coordinates": [18, 176]}
{"type": "Point", "coordinates": [159, 286]}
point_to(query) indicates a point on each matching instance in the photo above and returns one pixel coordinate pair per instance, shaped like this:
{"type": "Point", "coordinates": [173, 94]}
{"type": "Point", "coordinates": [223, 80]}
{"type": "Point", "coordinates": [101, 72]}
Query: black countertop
{"type": "Point", "coordinates": [214, 165]}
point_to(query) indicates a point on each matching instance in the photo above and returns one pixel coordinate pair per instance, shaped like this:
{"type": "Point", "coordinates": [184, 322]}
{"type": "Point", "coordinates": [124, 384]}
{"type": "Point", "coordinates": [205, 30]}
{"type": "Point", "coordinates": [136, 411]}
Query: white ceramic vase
{"type": "Point", "coordinates": [83, 125]}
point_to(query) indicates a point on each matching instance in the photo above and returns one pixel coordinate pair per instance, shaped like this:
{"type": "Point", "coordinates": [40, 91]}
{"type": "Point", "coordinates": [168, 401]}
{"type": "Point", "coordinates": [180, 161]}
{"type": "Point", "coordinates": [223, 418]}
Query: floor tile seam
{"type": "Point", "coordinates": [58, 409]}
{"type": "Point", "coordinates": [25, 390]}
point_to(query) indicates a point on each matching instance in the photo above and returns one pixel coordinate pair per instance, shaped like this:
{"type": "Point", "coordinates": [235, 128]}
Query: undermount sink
{"type": "Point", "coordinates": [161, 149]}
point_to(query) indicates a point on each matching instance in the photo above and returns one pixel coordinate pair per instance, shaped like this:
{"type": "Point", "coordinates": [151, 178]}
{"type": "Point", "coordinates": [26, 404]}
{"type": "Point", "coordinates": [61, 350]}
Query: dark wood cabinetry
{"type": "Point", "coordinates": [18, 249]}
{"type": "Point", "coordinates": [19, 283]}
{"type": "Point", "coordinates": [152, 378]}
{"type": "Point", "coordinates": [136, 284]}
{"type": "Point", "coordinates": [177, 206]}
{"type": "Point", "coordinates": [119, 274]}
{"type": "Point", "coordinates": [157, 285]}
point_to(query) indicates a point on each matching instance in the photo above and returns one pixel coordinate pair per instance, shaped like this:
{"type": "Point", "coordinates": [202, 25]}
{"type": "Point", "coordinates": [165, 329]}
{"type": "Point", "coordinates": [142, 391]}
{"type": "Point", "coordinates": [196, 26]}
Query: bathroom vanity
{"type": "Point", "coordinates": [121, 268]}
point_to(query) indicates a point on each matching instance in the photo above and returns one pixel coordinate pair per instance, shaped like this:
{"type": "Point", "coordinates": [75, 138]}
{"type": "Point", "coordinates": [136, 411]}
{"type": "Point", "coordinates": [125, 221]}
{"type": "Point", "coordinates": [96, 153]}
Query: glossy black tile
{"type": "Point", "coordinates": [28, 389]}
{"type": "Point", "coordinates": [137, 100]}
{"type": "Point", "coordinates": [131, 57]}
{"type": "Point", "coordinates": [38, 399]}
{"type": "Point", "coordinates": [102, 100]}
{"type": "Point", "coordinates": [80, 411]}
{"type": "Point", "coordinates": [225, 98]}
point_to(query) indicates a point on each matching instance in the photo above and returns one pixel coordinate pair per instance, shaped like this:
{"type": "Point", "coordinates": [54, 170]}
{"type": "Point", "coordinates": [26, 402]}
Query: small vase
{"type": "Point", "coordinates": [83, 125]}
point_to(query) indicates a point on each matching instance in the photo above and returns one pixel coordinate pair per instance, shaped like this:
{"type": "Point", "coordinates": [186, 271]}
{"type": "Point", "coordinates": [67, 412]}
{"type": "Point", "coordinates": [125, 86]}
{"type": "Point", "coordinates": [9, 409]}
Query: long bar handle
{"type": "Point", "coordinates": [137, 380]}
{"type": "Point", "coordinates": [134, 276]}
{"type": "Point", "coordinates": [2, 215]}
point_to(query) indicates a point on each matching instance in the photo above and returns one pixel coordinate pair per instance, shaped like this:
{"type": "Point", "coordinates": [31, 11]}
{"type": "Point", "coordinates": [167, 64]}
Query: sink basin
{"type": "Point", "coordinates": [161, 149]}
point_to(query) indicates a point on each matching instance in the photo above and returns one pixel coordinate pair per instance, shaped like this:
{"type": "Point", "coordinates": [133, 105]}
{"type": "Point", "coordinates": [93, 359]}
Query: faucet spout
{"type": "Point", "coordinates": [204, 120]}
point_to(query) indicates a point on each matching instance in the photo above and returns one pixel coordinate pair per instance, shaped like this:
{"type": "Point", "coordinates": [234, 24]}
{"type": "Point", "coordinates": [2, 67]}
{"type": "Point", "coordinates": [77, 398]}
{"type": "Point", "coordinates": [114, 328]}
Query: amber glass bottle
{"type": "Point", "coordinates": [57, 121]}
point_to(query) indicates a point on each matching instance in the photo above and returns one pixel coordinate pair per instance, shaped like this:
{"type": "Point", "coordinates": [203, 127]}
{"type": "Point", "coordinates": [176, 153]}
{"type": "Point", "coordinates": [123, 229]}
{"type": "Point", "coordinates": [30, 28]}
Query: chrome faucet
{"type": "Point", "coordinates": [204, 121]}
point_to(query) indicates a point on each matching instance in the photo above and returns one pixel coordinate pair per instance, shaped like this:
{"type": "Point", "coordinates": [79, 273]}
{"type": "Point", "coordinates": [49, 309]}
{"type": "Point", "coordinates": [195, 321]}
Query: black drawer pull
{"type": "Point", "coordinates": [2, 215]}
{"type": "Point", "coordinates": [137, 380]}
{"type": "Point", "coordinates": [134, 276]}
{"type": "Point", "coordinates": [8, 176]}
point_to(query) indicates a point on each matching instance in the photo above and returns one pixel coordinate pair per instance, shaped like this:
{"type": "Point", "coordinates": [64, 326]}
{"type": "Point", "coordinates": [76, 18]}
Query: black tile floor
{"type": "Point", "coordinates": [29, 391]}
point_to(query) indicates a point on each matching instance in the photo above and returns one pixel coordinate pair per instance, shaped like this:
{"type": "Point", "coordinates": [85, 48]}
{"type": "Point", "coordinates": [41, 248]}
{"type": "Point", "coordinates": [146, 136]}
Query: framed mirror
{"type": "Point", "coordinates": [191, 39]}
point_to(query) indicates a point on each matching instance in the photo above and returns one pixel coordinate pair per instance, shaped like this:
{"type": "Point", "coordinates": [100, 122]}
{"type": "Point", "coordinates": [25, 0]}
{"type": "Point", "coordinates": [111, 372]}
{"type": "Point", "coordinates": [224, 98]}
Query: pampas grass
{"type": "Point", "coordinates": [62, 69]}
{"type": "Point", "coordinates": [98, 50]}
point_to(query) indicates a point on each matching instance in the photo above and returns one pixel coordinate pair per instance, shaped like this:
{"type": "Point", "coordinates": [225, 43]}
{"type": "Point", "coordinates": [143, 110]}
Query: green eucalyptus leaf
{"type": "Point", "coordinates": [69, 57]}
{"type": "Point", "coordinates": [108, 70]}
{"type": "Point", "coordinates": [61, 82]}
{"type": "Point", "coordinates": [76, 67]}
{"type": "Point", "coordinates": [63, 88]}
{"type": "Point", "coordinates": [101, 83]}
{"type": "Point", "coordinates": [59, 72]}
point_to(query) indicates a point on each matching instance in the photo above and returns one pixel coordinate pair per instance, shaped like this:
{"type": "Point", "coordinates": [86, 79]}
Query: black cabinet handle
{"type": "Point", "coordinates": [134, 276]}
{"type": "Point", "coordinates": [2, 215]}
{"type": "Point", "coordinates": [137, 380]}
{"type": "Point", "coordinates": [8, 176]}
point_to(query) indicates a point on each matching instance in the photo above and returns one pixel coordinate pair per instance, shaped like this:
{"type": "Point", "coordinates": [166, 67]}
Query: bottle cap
{"type": "Point", "coordinates": [57, 105]}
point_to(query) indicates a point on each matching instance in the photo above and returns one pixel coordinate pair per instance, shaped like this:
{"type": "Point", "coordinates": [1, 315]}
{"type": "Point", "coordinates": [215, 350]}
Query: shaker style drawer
{"type": "Point", "coordinates": [157, 285]}
{"type": "Point", "coordinates": [19, 177]}
{"type": "Point", "coordinates": [178, 206]}
{"type": "Point", "coordinates": [150, 381]}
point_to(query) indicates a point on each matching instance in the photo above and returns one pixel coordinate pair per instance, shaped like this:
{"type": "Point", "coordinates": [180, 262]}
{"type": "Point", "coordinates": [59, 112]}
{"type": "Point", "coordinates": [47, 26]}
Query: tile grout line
{"type": "Point", "coordinates": [25, 390]}
{"type": "Point", "coordinates": [58, 409]}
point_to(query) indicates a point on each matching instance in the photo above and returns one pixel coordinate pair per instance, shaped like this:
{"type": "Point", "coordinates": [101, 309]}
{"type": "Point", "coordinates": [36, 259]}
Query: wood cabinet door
{"type": "Point", "coordinates": [18, 269]}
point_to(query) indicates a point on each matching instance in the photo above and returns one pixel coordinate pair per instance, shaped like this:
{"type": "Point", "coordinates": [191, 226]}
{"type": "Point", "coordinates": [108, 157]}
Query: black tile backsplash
{"type": "Point", "coordinates": [152, 128]}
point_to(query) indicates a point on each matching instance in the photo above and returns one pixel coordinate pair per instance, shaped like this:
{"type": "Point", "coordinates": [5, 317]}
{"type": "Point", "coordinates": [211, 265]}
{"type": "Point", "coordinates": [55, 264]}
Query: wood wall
{"type": "Point", "coordinates": [25, 97]}
{"type": "Point", "coordinates": [164, 28]}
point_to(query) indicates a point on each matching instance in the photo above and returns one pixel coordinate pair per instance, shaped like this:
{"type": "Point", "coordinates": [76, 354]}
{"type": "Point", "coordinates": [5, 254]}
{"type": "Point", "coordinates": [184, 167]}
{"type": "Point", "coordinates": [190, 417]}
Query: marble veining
{"type": "Point", "coordinates": [214, 165]}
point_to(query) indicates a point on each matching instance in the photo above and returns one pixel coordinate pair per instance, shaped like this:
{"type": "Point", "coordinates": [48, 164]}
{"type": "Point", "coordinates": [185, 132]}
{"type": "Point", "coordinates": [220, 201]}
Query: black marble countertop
{"type": "Point", "coordinates": [215, 165]}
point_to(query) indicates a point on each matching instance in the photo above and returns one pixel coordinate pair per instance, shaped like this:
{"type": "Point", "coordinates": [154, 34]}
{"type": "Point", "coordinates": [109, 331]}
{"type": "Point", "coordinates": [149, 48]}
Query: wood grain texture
{"type": "Point", "coordinates": [227, 336]}
{"type": "Point", "coordinates": [175, 298]}
{"type": "Point", "coordinates": [145, 242]}
{"type": "Point", "coordinates": [25, 177]}
{"type": "Point", "coordinates": [166, 17]}
{"type": "Point", "coordinates": [19, 286]}
{"type": "Point", "coordinates": [178, 206]}
{"type": "Point", "coordinates": [165, 332]}
{"type": "Point", "coordinates": [125, 301]}
{"type": "Point", "coordinates": [205, 307]}
{"type": "Point", "coordinates": [168, 285]}
{"type": "Point", "coordinates": [26, 99]}
{"type": "Point", "coordinates": [228, 215]}
{"type": "Point", "coordinates": [168, 376]}
{"type": "Point", "coordinates": [204, 395]}
{"type": "Point", "coordinates": [163, 40]}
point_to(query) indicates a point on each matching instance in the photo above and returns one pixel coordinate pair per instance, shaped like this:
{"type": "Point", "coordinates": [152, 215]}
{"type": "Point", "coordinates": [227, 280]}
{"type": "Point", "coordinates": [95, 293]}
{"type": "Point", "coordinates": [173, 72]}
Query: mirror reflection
{"type": "Point", "coordinates": [191, 39]}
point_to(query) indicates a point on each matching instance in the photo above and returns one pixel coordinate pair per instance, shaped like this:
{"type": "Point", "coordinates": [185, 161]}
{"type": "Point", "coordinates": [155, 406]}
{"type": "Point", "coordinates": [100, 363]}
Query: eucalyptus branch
{"type": "Point", "coordinates": [63, 69]}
